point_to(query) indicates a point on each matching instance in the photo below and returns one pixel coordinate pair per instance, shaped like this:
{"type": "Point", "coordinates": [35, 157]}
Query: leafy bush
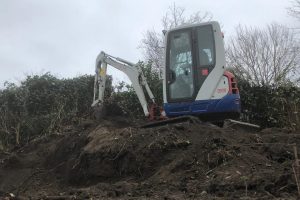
{"type": "Point", "coordinates": [42, 104]}
{"type": "Point", "coordinates": [271, 106]}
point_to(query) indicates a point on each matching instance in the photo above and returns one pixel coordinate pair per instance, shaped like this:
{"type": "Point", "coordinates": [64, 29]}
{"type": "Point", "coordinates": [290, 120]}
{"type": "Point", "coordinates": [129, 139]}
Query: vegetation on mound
{"type": "Point", "coordinates": [44, 104]}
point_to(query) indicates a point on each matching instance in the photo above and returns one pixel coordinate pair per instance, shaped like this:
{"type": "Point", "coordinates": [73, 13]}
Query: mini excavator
{"type": "Point", "coordinates": [195, 81]}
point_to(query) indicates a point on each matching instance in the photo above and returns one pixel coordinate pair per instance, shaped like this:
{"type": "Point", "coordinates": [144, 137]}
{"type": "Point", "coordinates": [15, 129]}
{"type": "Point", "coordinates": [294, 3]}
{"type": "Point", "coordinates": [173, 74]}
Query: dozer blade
{"type": "Point", "coordinates": [238, 125]}
{"type": "Point", "coordinates": [171, 121]}
{"type": "Point", "coordinates": [228, 123]}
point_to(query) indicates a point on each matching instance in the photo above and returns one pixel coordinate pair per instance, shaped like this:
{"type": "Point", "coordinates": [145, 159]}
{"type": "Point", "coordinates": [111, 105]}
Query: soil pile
{"type": "Point", "coordinates": [115, 160]}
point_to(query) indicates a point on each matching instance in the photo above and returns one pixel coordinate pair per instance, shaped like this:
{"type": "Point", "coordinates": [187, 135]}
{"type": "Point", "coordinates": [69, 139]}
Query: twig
{"type": "Point", "coordinates": [209, 171]}
{"type": "Point", "coordinates": [296, 171]}
{"type": "Point", "coordinates": [18, 188]}
{"type": "Point", "coordinates": [268, 193]}
{"type": "Point", "coordinates": [140, 172]}
{"type": "Point", "coordinates": [282, 188]}
{"type": "Point", "coordinates": [296, 178]}
{"type": "Point", "coordinates": [60, 197]}
{"type": "Point", "coordinates": [246, 187]}
{"type": "Point", "coordinates": [119, 152]}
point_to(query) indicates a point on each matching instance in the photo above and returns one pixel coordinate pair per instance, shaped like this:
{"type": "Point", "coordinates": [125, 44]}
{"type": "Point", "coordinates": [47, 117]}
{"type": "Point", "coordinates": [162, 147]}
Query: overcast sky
{"type": "Point", "coordinates": [65, 36]}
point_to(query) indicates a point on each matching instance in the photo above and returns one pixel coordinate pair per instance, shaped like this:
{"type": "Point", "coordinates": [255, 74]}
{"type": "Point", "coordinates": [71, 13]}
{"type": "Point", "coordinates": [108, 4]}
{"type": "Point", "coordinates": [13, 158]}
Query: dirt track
{"type": "Point", "coordinates": [113, 160]}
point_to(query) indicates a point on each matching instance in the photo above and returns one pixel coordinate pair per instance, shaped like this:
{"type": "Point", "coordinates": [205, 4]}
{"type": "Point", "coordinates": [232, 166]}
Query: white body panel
{"type": "Point", "coordinates": [222, 89]}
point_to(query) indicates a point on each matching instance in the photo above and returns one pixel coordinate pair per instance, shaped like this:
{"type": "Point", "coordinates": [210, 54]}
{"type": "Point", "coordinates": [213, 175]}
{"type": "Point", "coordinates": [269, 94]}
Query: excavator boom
{"type": "Point", "coordinates": [134, 73]}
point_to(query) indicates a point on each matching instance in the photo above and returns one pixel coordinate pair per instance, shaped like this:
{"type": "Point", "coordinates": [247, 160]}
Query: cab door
{"type": "Point", "coordinates": [180, 79]}
{"type": "Point", "coordinates": [205, 48]}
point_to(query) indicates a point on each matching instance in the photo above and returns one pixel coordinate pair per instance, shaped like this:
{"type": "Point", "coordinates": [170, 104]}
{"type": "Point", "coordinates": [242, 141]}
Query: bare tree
{"type": "Point", "coordinates": [294, 10]}
{"type": "Point", "coordinates": [264, 56]}
{"type": "Point", "coordinates": [153, 42]}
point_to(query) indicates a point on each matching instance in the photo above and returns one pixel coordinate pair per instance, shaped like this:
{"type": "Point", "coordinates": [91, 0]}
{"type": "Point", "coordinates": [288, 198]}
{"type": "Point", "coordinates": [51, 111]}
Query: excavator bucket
{"type": "Point", "coordinates": [171, 121]}
{"type": "Point", "coordinates": [99, 112]}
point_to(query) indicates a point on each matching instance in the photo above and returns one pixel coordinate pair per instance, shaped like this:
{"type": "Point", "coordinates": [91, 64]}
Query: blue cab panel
{"type": "Point", "coordinates": [228, 104]}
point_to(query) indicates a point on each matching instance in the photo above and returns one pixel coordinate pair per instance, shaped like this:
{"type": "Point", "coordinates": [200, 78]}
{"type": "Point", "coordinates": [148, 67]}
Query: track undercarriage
{"type": "Point", "coordinates": [228, 123]}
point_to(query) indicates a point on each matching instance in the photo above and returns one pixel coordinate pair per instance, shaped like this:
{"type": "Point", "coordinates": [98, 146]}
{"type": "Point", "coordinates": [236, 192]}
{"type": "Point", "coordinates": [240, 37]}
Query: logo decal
{"type": "Point", "coordinates": [221, 90]}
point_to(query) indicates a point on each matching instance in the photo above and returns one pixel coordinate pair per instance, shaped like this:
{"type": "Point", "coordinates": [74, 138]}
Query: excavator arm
{"type": "Point", "coordinates": [134, 73]}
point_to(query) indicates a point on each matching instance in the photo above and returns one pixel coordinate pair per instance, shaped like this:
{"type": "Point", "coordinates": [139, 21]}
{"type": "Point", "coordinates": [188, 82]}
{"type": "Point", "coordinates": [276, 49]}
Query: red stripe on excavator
{"type": "Point", "coordinates": [233, 89]}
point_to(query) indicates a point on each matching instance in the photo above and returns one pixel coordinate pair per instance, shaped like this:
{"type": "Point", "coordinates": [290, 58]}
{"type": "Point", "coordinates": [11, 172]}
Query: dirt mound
{"type": "Point", "coordinates": [186, 160]}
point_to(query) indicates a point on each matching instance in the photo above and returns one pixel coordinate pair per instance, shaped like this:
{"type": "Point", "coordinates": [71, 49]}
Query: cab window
{"type": "Point", "coordinates": [206, 46]}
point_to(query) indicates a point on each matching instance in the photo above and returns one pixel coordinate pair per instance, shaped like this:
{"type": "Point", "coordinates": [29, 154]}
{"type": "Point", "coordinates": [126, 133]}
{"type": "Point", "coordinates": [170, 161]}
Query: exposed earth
{"type": "Point", "coordinates": [113, 159]}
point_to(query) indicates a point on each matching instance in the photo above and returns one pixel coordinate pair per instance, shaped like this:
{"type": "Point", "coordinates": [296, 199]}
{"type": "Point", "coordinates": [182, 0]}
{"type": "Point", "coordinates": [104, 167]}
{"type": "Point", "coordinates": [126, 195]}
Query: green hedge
{"type": "Point", "coordinates": [42, 105]}
{"type": "Point", "coordinates": [271, 106]}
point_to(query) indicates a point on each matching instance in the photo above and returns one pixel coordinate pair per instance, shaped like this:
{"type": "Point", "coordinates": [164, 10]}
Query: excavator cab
{"type": "Point", "coordinates": [195, 81]}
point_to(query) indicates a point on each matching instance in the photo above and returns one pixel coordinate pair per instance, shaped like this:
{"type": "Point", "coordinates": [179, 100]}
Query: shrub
{"type": "Point", "coordinates": [271, 106]}
{"type": "Point", "coordinates": [42, 104]}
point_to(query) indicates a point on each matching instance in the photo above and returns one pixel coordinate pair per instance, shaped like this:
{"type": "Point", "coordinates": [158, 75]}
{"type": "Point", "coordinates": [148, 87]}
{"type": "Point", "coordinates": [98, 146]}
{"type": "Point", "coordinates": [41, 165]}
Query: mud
{"type": "Point", "coordinates": [115, 160]}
